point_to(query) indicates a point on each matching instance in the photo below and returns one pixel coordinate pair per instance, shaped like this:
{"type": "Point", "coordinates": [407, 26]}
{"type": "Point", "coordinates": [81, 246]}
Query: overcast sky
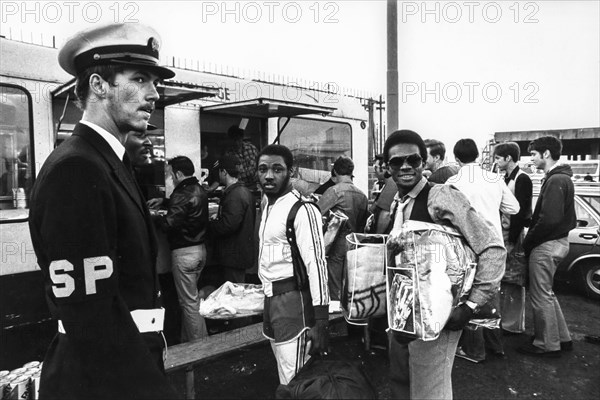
{"type": "Point", "coordinates": [466, 69]}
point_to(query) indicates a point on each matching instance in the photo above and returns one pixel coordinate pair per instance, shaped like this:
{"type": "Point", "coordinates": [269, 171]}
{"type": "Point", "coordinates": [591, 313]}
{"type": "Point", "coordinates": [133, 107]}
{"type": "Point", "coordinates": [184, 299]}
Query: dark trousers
{"type": "Point", "coordinates": [234, 275]}
{"type": "Point", "coordinates": [336, 259]}
{"type": "Point", "coordinates": [172, 328]}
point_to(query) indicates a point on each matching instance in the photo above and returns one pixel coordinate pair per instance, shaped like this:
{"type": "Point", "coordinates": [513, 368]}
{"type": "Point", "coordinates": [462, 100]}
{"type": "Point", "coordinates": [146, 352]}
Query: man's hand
{"type": "Point", "coordinates": [318, 335]}
{"type": "Point", "coordinates": [369, 224]}
{"type": "Point", "coordinates": [459, 318]}
{"type": "Point", "coordinates": [394, 247]}
{"type": "Point", "coordinates": [155, 203]}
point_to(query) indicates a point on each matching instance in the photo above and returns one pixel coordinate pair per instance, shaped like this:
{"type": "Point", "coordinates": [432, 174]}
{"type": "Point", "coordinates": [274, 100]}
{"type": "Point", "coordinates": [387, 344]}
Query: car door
{"type": "Point", "coordinates": [584, 239]}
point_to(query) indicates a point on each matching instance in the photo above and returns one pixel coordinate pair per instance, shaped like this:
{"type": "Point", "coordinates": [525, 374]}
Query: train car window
{"type": "Point", "coordinates": [16, 142]}
{"type": "Point", "coordinates": [316, 144]}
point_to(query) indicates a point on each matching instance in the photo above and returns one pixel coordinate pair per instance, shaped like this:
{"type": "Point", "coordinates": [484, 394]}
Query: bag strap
{"type": "Point", "coordinates": [300, 271]}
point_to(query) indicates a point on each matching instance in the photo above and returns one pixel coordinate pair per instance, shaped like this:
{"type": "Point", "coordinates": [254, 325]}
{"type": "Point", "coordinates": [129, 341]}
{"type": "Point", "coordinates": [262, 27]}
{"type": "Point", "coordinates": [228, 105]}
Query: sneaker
{"type": "Point", "coordinates": [530, 349]}
{"type": "Point", "coordinates": [566, 346]}
{"type": "Point", "coordinates": [461, 354]}
{"type": "Point", "coordinates": [497, 354]}
{"type": "Point", "coordinates": [592, 339]}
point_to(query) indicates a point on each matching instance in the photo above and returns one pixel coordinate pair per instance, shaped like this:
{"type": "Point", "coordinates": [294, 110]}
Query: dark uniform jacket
{"type": "Point", "coordinates": [187, 215]}
{"type": "Point", "coordinates": [96, 248]}
{"type": "Point", "coordinates": [233, 231]}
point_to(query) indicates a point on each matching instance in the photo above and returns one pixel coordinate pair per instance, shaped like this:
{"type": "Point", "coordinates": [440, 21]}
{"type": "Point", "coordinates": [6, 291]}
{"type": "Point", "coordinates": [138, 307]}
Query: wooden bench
{"type": "Point", "coordinates": [188, 355]}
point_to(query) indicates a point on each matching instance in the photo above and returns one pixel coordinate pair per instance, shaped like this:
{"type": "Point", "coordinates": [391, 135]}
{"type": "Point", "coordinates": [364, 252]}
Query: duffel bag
{"type": "Point", "coordinates": [324, 378]}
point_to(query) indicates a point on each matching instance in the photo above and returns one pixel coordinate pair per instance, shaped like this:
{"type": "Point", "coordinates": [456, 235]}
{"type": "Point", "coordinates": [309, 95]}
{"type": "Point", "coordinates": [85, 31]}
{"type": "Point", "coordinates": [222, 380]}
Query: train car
{"type": "Point", "coordinates": [196, 108]}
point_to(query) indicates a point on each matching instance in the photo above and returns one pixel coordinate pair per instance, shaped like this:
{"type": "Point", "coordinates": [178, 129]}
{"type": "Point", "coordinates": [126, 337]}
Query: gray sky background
{"type": "Point", "coordinates": [466, 69]}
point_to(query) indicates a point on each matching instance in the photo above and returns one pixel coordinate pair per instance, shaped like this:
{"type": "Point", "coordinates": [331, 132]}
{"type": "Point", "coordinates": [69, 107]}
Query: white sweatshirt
{"type": "Point", "coordinates": [275, 256]}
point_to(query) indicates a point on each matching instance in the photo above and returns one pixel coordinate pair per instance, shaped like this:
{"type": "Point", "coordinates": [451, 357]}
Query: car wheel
{"type": "Point", "coordinates": [588, 278]}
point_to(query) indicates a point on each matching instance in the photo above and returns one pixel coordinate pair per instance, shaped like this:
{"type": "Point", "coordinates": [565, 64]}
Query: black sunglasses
{"type": "Point", "coordinates": [414, 160]}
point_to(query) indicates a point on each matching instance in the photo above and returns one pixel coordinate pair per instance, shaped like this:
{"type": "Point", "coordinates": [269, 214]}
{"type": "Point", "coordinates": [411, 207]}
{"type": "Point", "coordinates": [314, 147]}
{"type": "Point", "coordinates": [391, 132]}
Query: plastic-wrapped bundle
{"type": "Point", "coordinates": [516, 262]}
{"type": "Point", "coordinates": [233, 300]}
{"type": "Point", "coordinates": [437, 267]}
{"type": "Point", "coordinates": [402, 302]}
{"type": "Point", "coordinates": [363, 293]}
{"type": "Point", "coordinates": [334, 222]}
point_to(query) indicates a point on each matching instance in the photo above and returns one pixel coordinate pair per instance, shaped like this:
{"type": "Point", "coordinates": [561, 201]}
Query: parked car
{"type": "Point", "coordinates": [583, 171]}
{"type": "Point", "coordinates": [582, 265]}
{"type": "Point", "coordinates": [588, 170]}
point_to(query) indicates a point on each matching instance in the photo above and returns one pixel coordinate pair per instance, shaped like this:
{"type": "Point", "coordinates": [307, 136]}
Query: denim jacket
{"type": "Point", "coordinates": [350, 200]}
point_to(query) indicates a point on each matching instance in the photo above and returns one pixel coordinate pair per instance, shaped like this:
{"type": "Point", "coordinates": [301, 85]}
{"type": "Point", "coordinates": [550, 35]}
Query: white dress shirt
{"type": "Point", "coordinates": [112, 141]}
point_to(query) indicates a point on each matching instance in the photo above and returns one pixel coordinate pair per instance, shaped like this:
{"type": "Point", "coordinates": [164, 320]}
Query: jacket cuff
{"type": "Point", "coordinates": [321, 312]}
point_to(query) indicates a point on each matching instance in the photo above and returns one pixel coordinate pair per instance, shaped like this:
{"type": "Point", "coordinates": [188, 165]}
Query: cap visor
{"type": "Point", "coordinates": [162, 72]}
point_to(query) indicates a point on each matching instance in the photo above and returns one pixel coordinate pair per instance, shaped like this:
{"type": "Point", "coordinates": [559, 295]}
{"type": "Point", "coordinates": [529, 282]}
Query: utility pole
{"type": "Point", "coordinates": [392, 66]}
{"type": "Point", "coordinates": [382, 132]}
{"type": "Point", "coordinates": [373, 140]}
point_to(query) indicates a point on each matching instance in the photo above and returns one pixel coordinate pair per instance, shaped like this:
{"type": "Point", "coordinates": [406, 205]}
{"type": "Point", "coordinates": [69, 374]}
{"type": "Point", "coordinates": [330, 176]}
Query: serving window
{"type": "Point", "coordinates": [315, 144]}
{"type": "Point", "coordinates": [16, 152]}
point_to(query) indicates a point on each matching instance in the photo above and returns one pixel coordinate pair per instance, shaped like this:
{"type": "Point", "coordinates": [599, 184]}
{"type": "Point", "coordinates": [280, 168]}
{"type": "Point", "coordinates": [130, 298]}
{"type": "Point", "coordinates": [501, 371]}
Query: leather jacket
{"type": "Point", "coordinates": [187, 215]}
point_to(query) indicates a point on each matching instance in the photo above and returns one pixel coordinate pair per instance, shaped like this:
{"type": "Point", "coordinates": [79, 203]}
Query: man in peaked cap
{"type": "Point", "coordinates": [91, 229]}
{"type": "Point", "coordinates": [133, 45]}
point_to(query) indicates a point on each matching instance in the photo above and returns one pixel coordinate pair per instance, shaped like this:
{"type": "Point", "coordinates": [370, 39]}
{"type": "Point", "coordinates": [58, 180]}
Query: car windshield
{"type": "Point", "coordinates": [592, 201]}
{"type": "Point", "coordinates": [590, 168]}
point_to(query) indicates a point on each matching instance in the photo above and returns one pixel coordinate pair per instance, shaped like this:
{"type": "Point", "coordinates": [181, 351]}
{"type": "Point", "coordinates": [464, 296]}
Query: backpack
{"type": "Point", "coordinates": [335, 221]}
{"type": "Point", "coordinates": [300, 272]}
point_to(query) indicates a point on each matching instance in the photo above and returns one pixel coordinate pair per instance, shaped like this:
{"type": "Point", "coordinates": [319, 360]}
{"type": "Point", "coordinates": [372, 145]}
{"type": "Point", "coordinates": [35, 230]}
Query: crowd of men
{"type": "Point", "coordinates": [95, 238]}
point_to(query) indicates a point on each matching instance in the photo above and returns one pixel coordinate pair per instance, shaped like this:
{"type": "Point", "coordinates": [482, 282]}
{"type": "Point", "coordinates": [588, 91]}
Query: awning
{"type": "Point", "coordinates": [267, 108]}
{"type": "Point", "coordinates": [171, 92]}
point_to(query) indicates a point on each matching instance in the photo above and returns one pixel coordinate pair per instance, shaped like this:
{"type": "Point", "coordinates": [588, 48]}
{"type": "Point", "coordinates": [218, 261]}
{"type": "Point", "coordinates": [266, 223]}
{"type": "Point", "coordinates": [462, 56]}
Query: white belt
{"type": "Point", "coordinates": [146, 320]}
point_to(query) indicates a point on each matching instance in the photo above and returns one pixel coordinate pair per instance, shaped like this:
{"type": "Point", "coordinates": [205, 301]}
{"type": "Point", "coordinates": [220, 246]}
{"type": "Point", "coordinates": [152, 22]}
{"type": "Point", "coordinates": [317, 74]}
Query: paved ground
{"type": "Point", "coordinates": [251, 374]}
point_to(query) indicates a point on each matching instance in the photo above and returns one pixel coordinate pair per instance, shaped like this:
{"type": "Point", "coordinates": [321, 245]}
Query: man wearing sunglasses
{"type": "Point", "coordinates": [422, 369]}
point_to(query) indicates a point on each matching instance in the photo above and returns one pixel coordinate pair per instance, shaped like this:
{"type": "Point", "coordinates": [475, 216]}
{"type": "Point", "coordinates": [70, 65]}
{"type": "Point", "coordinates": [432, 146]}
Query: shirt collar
{"type": "Point", "coordinates": [512, 175]}
{"type": "Point", "coordinates": [187, 181]}
{"type": "Point", "coordinates": [112, 141]}
{"type": "Point", "coordinates": [415, 190]}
